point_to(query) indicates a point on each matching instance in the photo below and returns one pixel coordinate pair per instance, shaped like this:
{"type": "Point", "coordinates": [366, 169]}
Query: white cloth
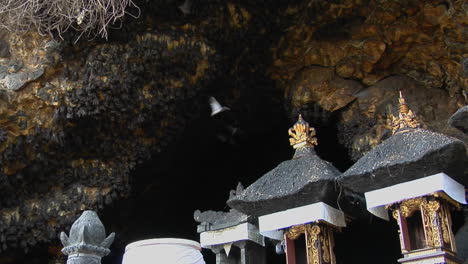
{"type": "Point", "coordinates": [271, 225]}
{"type": "Point", "coordinates": [377, 199]}
{"type": "Point", "coordinates": [244, 231]}
{"type": "Point", "coordinates": [163, 251]}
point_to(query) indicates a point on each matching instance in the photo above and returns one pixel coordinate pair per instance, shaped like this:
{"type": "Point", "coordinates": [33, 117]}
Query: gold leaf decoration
{"type": "Point", "coordinates": [302, 134]}
{"type": "Point", "coordinates": [406, 118]}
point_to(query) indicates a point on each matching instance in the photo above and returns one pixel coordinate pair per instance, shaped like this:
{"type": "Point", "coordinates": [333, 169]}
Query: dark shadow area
{"type": "Point", "coordinates": [371, 240]}
{"type": "Point", "coordinates": [197, 172]}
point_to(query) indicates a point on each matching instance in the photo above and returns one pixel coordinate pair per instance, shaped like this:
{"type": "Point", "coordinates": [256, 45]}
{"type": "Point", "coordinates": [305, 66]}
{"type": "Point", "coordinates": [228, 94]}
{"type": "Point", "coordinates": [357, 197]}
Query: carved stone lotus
{"type": "Point", "coordinates": [87, 236]}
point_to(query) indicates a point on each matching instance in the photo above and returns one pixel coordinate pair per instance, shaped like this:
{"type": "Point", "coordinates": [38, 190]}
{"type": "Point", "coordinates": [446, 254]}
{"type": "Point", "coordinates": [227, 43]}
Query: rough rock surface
{"type": "Point", "coordinates": [76, 118]}
{"type": "Point", "coordinates": [459, 120]}
{"type": "Point", "coordinates": [70, 137]}
{"type": "Point", "coordinates": [366, 122]}
{"type": "Point", "coordinates": [383, 46]}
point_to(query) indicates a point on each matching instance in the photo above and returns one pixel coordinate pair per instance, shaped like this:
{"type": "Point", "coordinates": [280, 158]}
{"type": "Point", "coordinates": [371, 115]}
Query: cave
{"type": "Point", "coordinates": [117, 119]}
{"type": "Point", "coordinates": [199, 170]}
{"type": "Point", "coordinates": [164, 208]}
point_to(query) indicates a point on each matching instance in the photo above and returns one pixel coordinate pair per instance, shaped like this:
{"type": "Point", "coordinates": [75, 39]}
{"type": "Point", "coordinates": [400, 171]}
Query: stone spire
{"type": "Point", "coordinates": [302, 134]}
{"type": "Point", "coordinates": [87, 243]}
{"type": "Point", "coordinates": [406, 118]}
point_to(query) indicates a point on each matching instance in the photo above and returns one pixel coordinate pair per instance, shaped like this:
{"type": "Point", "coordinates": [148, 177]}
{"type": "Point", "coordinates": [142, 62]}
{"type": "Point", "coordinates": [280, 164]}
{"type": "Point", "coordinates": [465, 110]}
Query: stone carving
{"type": "Point", "coordinates": [87, 242]}
{"type": "Point", "coordinates": [239, 189]}
{"type": "Point", "coordinates": [214, 220]}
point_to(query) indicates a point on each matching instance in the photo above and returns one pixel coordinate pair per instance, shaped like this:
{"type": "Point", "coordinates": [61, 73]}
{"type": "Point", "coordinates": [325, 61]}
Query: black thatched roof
{"type": "Point", "coordinates": [303, 180]}
{"type": "Point", "coordinates": [407, 156]}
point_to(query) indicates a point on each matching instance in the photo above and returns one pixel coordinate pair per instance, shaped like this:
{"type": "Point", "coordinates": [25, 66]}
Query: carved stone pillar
{"type": "Point", "coordinates": [87, 243]}
{"type": "Point", "coordinates": [319, 243]}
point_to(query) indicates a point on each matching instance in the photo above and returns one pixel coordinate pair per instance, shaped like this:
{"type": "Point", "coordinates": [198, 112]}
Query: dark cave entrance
{"type": "Point", "coordinates": [199, 170]}
{"type": "Point", "coordinates": [202, 164]}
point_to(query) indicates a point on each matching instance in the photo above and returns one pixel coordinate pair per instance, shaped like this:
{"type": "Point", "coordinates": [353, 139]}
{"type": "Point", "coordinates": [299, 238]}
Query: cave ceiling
{"type": "Point", "coordinates": [76, 117]}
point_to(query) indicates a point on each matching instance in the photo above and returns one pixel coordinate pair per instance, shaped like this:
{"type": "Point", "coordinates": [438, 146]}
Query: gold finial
{"type": "Point", "coordinates": [406, 118]}
{"type": "Point", "coordinates": [302, 134]}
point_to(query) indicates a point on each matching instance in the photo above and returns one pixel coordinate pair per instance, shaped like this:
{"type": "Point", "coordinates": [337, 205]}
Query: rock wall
{"type": "Point", "coordinates": [76, 118]}
{"type": "Point", "coordinates": [349, 59]}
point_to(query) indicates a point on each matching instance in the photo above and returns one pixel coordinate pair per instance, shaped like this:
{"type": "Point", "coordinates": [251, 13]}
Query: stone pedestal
{"type": "Point", "coordinates": [430, 256]}
{"type": "Point", "coordinates": [83, 258]}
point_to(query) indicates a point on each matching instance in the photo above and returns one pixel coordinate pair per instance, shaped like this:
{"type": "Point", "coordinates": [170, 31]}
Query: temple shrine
{"type": "Point", "coordinates": [416, 175]}
{"type": "Point", "coordinates": [417, 186]}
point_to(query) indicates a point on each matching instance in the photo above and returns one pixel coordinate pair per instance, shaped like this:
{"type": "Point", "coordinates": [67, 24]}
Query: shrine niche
{"type": "Point", "coordinates": [414, 174]}
{"type": "Point", "coordinates": [422, 208]}
{"type": "Point", "coordinates": [319, 243]}
{"type": "Point", "coordinates": [433, 219]}
{"type": "Point", "coordinates": [307, 232]}
{"type": "Point", "coordinates": [293, 202]}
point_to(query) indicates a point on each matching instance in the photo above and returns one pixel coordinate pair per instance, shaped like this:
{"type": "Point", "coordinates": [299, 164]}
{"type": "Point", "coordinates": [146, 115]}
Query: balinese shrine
{"type": "Point", "coordinates": [299, 210]}
{"type": "Point", "coordinates": [293, 201]}
{"type": "Point", "coordinates": [233, 131]}
{"type": "Point", "coordinates": [415, 176]}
